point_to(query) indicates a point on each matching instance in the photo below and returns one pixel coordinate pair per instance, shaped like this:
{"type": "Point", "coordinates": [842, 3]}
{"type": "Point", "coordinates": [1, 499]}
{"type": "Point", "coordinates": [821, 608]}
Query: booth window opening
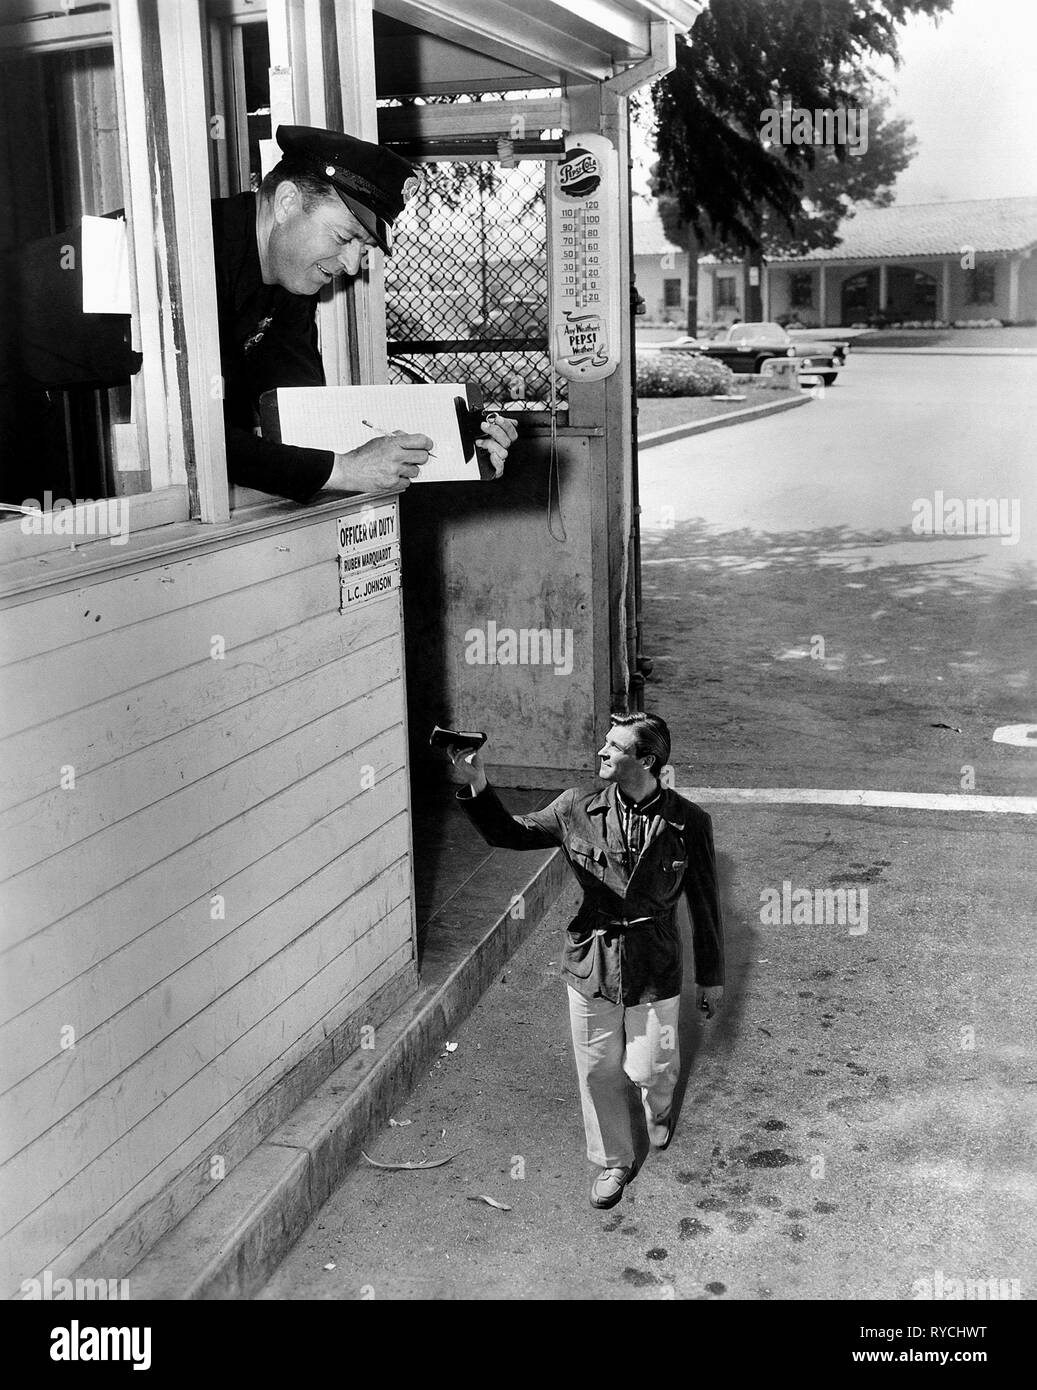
{"type": "Point", "coordinates": [65, 379]}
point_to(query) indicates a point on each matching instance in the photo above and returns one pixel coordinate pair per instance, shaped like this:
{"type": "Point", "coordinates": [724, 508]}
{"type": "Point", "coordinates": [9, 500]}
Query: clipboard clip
{"type": "Point", "coordinates": [469, 410]}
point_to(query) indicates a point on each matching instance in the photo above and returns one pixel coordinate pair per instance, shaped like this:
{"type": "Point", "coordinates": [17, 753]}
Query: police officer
{"type": "Point", "coordinates": [330, 197]}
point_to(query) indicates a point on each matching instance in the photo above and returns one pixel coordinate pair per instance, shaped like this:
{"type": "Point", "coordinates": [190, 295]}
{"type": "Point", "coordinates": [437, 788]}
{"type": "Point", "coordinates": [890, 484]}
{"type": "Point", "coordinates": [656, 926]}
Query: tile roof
{"type": "Point", "coordinates": [988, 225]}
{"type": "Point", "coordinates": [934, 229]}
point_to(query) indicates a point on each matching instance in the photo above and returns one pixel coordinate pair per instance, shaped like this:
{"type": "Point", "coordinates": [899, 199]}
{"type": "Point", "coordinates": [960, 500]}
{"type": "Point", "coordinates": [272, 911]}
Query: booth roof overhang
{"type": "Point", "coordinates": [555, 42]}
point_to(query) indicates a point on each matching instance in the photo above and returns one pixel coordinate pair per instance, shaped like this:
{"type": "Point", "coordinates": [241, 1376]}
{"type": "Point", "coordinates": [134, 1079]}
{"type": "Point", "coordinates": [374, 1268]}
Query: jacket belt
{"type": "Point", "coordinates": [614, 924]}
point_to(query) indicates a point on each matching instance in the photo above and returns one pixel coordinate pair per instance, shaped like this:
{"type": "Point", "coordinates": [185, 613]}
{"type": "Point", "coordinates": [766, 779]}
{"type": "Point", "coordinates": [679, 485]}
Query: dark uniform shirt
{"type": "Point", "coordinates": [624, 943]}
{"type": "Point", "coordinates": [268, 338]}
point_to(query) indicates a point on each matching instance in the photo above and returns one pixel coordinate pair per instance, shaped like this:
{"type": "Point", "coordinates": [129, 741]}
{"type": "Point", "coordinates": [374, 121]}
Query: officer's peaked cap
{"type": "Point", "coordinates": [372, 181]}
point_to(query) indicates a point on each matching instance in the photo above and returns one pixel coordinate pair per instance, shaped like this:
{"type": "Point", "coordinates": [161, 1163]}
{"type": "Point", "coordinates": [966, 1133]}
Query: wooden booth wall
{"type": "Point", "coordinates": [495, 558]}
{"type": "Point", "coordinates": [208, 875]}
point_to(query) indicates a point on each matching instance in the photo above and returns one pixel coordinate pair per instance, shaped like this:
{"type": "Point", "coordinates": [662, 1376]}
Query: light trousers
{"type": "Point", "coordinates": [612, 1044]}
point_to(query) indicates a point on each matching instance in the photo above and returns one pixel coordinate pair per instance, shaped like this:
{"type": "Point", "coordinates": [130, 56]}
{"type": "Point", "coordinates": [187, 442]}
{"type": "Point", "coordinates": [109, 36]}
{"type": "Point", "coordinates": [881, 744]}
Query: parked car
{"type": "Point", "coordinates": [813, 336]}
{"type": "Point", "coordinates": [745, 347]}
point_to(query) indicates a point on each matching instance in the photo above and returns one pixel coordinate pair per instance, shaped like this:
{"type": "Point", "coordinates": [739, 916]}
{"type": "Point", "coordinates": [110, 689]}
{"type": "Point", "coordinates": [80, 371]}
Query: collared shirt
{"type": "Point", "coordinates": [634, 818]}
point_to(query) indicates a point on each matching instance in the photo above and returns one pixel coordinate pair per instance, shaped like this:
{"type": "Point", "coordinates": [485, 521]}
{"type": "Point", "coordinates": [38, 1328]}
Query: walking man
{"type": "Point", "coordinates": [634, 847]}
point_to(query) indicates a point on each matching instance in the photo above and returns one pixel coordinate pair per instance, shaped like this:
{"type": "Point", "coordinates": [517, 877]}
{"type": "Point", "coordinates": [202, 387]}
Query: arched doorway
{"type": "Point", "coordinates": [860, 297]}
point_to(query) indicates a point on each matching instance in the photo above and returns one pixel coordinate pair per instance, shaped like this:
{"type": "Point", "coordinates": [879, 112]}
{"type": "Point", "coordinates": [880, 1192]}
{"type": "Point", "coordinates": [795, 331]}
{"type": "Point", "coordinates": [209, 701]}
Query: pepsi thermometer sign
{"type": "Point", "coordinates": [584, 282]}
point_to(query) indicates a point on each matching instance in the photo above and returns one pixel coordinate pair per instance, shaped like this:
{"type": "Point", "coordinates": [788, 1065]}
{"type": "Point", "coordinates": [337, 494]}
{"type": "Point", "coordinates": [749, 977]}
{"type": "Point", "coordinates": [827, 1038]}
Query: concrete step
{"type": "Point", "coordinates": [232, 1241]}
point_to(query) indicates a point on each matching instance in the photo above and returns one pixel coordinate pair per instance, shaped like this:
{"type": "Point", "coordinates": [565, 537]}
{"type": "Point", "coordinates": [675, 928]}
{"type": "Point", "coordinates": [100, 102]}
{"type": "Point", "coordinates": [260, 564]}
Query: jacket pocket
{"type": "Point", "coordinates": [591, 858]}
{"type": "Point", "coordinates": [579, 956]}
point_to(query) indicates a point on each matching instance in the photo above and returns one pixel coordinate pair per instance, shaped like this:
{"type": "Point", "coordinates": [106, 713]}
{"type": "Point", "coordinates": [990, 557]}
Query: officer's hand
{"type": "Point", "coordinates": [501, 433]}
{"type": "Point", "coordinates": [469, 764]}
{"type": "Point", "coordinates": [710, 999]}
{"type": "Point", "coordinates": [389, 461]}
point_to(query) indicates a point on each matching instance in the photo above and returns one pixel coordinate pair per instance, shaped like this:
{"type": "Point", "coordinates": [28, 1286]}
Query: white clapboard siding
{"type": "Point", "coordinates": [175, 1077]}
{"type": "Point", "coordinates": [36, 830]}
{"type": "Point", "coordinates": [38, 689]}
{"type": "Point", "coordinates": [68, 948]}
{"type": "Point", "coordinates": [31, 626]}
{"type": "Point", "coordinates": [60, 1224]}
{"type": "Point", "coordinates": [127, 979]}
{"type": "Point", "coordinates": [47, 892]}
{"type": "Point", "coordinates": [135, 1004]}
{"type": "Point", "coordinates": [130, 720]}
{"type": "Point", "coordinates": [271, 781]}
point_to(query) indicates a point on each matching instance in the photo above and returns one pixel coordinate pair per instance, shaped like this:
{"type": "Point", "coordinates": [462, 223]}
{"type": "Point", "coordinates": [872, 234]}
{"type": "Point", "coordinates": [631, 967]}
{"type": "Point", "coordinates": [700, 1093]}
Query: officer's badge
{"type": "Point", "coordinates": [410, 188]}
{"type": "Point", "coordinates": [261, 328]}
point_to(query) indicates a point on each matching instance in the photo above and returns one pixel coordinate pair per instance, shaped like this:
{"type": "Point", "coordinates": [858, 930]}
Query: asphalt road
{"type": "Point", "coordinates": [763, 538]}
{"type": "Point", "coordinates": [858, 1123]}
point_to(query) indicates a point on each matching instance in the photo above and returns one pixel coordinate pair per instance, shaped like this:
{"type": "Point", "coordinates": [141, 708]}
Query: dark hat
{"type": "Point", "coordinates": [372, 181]}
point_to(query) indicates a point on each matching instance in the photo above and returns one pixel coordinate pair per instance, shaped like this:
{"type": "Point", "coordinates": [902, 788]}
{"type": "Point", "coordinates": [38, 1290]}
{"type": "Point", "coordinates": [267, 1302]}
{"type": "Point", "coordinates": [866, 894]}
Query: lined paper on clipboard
{"type": "Point", "coordinates": [341, 418]}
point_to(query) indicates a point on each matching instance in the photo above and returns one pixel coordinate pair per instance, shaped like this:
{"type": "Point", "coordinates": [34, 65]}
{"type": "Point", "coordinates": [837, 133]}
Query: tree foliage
{"type": "Point", "coordinates": [744, 58]}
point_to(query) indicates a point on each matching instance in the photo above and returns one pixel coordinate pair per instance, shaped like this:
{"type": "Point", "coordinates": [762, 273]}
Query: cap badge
{"type": "Point", "coordinates": [330, 170]}
{"type": "Point", "coordinates": [410, 188]}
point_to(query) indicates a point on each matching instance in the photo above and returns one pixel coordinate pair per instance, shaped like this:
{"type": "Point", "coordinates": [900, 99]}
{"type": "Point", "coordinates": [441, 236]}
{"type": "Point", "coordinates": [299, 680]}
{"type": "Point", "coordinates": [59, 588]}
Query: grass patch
{"type": "Point", "coordinates": [666, 412]}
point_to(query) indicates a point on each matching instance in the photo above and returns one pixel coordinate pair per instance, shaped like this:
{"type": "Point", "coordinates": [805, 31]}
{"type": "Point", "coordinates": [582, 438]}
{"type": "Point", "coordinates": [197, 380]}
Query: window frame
{"type": "Point", "coordinates": [722, 283]}
{"type": "Point", "coordinates": [175, 407]}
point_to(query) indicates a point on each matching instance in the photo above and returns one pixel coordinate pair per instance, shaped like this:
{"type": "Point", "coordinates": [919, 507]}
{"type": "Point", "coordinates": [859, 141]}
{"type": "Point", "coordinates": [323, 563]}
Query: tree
{"type": "Point", "coordinates": [743, 59]}
{"type": "Point", "coordinates": [834, 186]}
{"type": "Point", "coordinates": [827, 193]}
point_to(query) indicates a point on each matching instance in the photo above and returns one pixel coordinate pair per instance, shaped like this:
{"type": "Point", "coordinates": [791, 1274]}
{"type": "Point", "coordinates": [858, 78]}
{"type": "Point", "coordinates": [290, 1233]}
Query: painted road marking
{"type": "Point", "coordinates": [1022, 735]}
{"type": "Point", "coordinates": [823, 796]}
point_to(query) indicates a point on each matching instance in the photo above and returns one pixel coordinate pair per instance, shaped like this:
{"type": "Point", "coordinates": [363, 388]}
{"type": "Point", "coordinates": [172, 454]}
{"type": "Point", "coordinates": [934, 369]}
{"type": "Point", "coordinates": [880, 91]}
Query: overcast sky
{"type": "Point", "coordinates": [968, 86]}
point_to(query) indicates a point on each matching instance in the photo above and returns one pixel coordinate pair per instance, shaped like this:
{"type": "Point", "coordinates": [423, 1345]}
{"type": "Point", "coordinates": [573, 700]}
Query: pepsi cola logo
{"type": "Point", "coordinates": [579, 173]}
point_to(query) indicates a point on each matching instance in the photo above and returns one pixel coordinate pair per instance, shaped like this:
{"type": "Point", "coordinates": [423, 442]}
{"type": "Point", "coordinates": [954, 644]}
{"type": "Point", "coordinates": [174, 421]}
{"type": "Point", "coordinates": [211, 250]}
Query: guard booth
{"type": "Point", "coordinates": [208, 780]}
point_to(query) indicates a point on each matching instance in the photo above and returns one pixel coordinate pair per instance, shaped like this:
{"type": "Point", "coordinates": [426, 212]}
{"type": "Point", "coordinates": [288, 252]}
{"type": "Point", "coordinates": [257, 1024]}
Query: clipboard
{"type": "Point", "coordinates": [342, 418]}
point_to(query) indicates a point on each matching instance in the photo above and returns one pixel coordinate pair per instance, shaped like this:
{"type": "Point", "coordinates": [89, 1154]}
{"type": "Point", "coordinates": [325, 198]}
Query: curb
{"type": "Point", "coordinates": [231, 1242]}
{"type": "Point", "coordinates": [718, 422]}
{"type": "Point", "coordinates": [947, 351]}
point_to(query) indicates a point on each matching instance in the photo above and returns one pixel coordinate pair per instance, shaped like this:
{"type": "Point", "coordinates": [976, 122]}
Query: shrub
{"type": "Point", "coordinates": [681, 374]}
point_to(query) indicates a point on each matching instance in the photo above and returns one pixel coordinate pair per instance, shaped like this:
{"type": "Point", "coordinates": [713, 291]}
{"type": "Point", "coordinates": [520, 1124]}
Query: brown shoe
{"type": "Point", "coordinates": [607, 1187]}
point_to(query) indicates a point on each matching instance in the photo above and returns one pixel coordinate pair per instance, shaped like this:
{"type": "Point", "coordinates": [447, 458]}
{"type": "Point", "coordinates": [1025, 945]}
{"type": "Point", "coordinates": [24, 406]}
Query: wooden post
{"type": "Point", "coordinates": [159, 61]}
{"type": "Point", "coordinates": [365, 295]}
{"type": "Point", "coordinates": [608, 403]}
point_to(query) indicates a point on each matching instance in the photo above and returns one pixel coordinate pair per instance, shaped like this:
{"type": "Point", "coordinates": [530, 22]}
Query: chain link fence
{"type": "Point", "coordinates": [466, 286]}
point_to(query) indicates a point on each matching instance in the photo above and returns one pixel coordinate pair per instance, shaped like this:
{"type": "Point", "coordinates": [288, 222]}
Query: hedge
{"type": "Point", "coordinates": [681, 374]}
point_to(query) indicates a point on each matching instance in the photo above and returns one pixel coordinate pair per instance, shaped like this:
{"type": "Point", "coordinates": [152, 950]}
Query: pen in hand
{"type": "Point", "coordinates": [385, 433]}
